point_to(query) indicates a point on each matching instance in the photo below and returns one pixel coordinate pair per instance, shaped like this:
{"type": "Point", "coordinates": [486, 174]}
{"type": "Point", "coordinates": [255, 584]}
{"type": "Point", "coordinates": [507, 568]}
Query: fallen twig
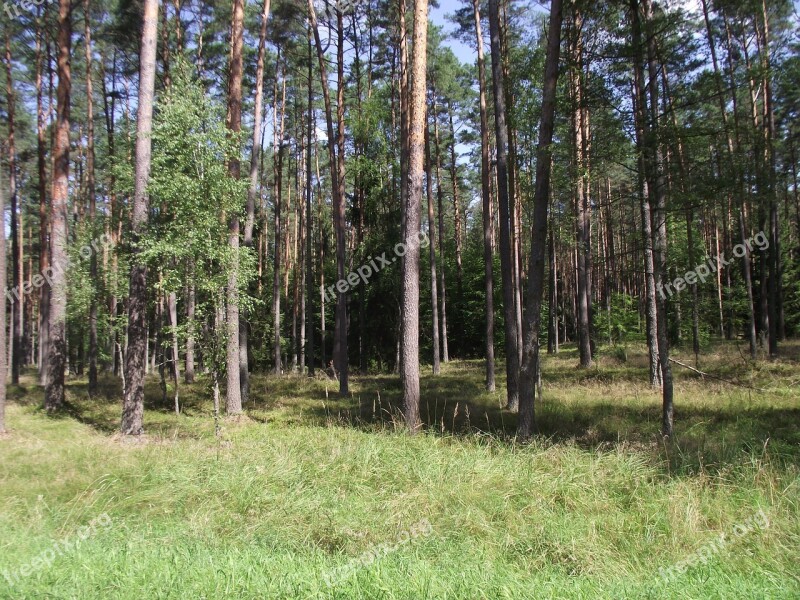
{"type": "Point", "coordinates": [749, 387]}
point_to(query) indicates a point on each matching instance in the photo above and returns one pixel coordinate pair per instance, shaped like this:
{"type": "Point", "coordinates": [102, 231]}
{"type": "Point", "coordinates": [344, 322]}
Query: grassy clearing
{"type": "Point", "coordinates": [306, 483]}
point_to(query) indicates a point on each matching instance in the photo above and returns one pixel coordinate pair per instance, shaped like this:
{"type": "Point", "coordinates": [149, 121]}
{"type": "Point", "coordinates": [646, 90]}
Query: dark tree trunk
{"type": "Point", "coordinates": [486, 195]}
{"type": "Point", "coordinates": [90, 191]}
{"type": "Point", "coordinates": [530, 356]}
{"type": "Point", "coordinates": [309, 241]}
{"type": "Point", "coordinates": [18, 298]}
{"type": "Point", "coordinates": [432, 256]}
{"type": "Point", "coordinates": [506, 265]}
{"type": "Point", "coordinates": [133, 403]}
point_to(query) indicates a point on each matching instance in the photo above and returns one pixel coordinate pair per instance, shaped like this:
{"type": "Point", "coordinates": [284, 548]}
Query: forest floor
{"type": "Point", "coordinates": [312, 496]}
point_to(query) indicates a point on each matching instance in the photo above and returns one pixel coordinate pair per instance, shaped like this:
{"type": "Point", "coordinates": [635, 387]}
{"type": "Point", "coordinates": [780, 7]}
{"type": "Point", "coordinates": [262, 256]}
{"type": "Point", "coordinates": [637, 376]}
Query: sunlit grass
{"type": "Point", "coordinates": [306, 482]}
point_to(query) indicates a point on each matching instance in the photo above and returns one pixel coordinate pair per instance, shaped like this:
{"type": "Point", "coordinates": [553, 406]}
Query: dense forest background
{"type": "Point", "coordinates": [294, 144]}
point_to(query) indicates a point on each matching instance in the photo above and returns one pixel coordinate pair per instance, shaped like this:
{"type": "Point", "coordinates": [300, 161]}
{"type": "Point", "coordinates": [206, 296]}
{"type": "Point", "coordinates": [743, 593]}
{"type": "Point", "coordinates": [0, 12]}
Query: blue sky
{"type": "Point", "coordinates": [439, 16]}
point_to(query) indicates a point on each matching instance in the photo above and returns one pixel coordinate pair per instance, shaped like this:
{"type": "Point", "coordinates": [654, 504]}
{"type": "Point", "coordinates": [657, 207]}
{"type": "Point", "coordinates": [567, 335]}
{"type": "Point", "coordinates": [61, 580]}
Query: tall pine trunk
{"type": "Point", "coordinates": [529, 369]}
{"type": "Point", "coordinates": [486, 195]}
{"type": "Point", "coordinates": [54, 392]}
{"type": "Point", "coordinates": [233, 395]}
{"type": "Point", "coordinates": [90, 191]}
{"type": "Point", "coordinates": [409, 355]}
{"type": "Point", "coordinates": [135, 355]}
{"type": "Point", "coordinates": [506, 264]}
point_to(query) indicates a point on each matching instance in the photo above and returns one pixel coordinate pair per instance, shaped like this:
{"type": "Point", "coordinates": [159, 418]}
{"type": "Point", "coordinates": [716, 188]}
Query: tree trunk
{"type": "Point", "coordinates": [486, 194]}
{"type": "Point", "coordinates": [18, 300]}
{"type": "Point", "coordinates": [409, 355]}
{"type": "Point", "coordinates": [233, 395]}
{"type": "Point", "coordinates": [309, 241]}
{"type": "Point", "coordinates": [252, 192]}
{"type": "Point", "coordinates": [337, 170]}
{"type": "Point", "coordinates": [657, 187]}
{"type": "Point", "coordinates": [188, 375]}
{"type": "Point", "coordinates": [90, 190]}
{"type": "Point", "coordinates": [530, 356]}
{"type": "Point", "coordinates": [278, 193]}
{"type": "Point", "coordinates": [339, 222]}
{"type": "Point", "coordinates": [172, 307]}
{"type": "Point", "coordinates": [432, 255]}
{"type": "Point", "coordinates": [44, 251]}
{"type": "Point", "coordinates": [581, 190]}
{"type": "Point", "coordinates": [54, 392]}
{"type": "Point", "coordinates": [133, 403]}
{"type": "Point", "coordinates": [440, 206]}
{"type": "Point", "coordinates": [3, 362]}
{"type": "Point", "coordinates": [506, 265]}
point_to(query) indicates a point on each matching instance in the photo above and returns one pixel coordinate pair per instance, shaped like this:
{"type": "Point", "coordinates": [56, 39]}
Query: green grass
{"type": "Point", "coordinates": [306, 483]}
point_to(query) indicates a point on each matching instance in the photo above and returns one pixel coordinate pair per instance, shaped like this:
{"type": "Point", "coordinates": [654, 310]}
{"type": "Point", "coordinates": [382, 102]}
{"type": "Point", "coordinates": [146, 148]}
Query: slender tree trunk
{"type": "Point", "coordinates": [457, 220]}
{"type": "Point", "coordinates": [276, 265]}
{"type": "Point", "coordinates": [774, 288]}
{"type": "Point", "coordinates": [188, 375]}
{"type": "Point", "coordinates": [339, 223]}
{"type": "Point", "coordinates": [657, 186]}
{"type": "Point", "coordinates": [486, 194]}
{"type": "Point", "coordinates": [54, 392]}
{"type": "Point", "coordinates": [44, 248]}
{"type": "Point", "coordinates": [440, 206]}
{"type": "Point", "coordinates": [172, 306]}
{"type": "Point", "coordinates": [432, 255]}
{"type": "Point", "coordinates": [506, 265]}
{"type": "Point", "coordinates": [645, 191]}
{"type": "Point", "coordinates": [233, 396]}
{"type": "Point", "coordinates": [581, 191]}
{"type": "Point", "coordinates": [18, 301]}
{"type": "Point", "coordinates": [530, 356]}
{"type": "Point", "coordinates": [252, 192]}
{"type": "Point", "coordinates": [133, 403]}
{"type": "Point", "coordinates": [3, 363]}
{"type": "Point", "coordinates": [336, 147]}
{"type": "Point", "coordinates": [309, 238]}
{"type": "Point", "coordinates": [409, 355]}
{"type": "Point", "coordinates": [90, 190]}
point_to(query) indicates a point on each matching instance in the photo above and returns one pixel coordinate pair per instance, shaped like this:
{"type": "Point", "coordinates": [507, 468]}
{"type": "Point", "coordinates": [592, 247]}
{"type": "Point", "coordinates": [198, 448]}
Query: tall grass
{"type": "Point", "coordinates": [307, 483]}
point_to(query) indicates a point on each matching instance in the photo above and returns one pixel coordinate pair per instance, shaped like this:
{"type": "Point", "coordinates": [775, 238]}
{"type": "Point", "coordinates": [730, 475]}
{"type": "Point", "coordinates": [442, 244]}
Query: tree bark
{"type": "Point", "coordinates": [506, 264]}
{"type": "Point", "coordinates": [44, 251]}
{"type": "Point", "coordinates": [3, 362]}
{"type": "Point", "coordinates": [432, 256]}
{"type": "Point", "coordinates": [18, 301]}
{"type": "Point", "coordinates": [90, 191]}
{"type": "Point", "coordinates": [309, 241]}
{"type": "Point", "coordinates": [252, 192]}
{"type": "Point", "coordinates": [530, 355]}
{"type": "Point", "coordinates": [339, 222]}
{"type": "Point", "coordinates": [133, 403]}
{"type": "Point", "coordinates": [581, 191]}
{"type": "Point", "coordinates": [486, 195]}
{"type": "Point", "coordinates": [54, 392]}
{"type": "Point", "coordinates": [409, 355]}
{"type": "Point", "coordinates": [233, 395]}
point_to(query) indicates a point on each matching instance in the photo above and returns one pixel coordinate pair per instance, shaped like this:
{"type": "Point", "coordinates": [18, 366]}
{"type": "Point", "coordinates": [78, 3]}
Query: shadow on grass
{"type": "Point", "coordinates": [602, 408]}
